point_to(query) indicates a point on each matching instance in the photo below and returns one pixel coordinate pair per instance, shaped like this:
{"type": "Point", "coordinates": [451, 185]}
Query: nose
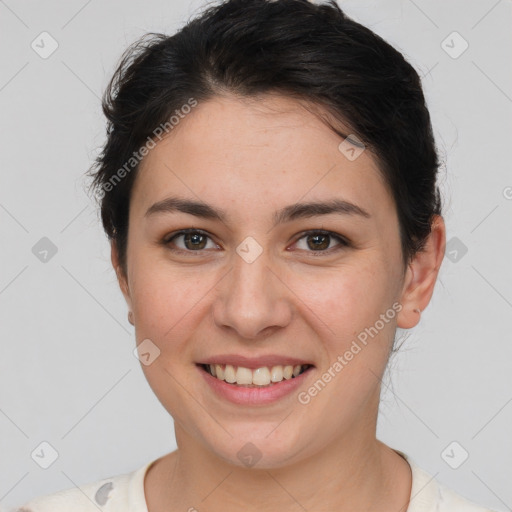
{"type": "Point", "coordinates": [253, 300]}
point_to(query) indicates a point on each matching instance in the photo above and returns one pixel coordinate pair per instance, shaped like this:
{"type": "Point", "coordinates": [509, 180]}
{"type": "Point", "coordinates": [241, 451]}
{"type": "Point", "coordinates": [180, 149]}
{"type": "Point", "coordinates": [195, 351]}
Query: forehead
{"type": "Point", "coordinates": [242, 152]}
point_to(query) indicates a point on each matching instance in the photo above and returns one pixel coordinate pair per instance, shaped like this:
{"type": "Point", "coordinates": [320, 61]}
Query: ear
{"type": "Point", "coordinates": [421, 276]}
{"type": "Point", "coordinates": [122, 279]}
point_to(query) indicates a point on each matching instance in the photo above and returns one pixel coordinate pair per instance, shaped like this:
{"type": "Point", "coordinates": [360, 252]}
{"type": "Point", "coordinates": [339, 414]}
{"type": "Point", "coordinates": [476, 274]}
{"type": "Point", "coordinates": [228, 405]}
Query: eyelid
{"type": "Point", "coordinates": [343, 241]}
{"type": "Point", "coordinates": [169, 238]}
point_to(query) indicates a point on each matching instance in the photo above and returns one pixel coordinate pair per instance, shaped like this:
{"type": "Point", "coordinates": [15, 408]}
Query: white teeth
{"type": "Point", "coordinates": [260, 377]}
{"type": "Point", "coordinates": [243, 376]}
{"type": "Point", "coordinates": [276, 374]}
{"type": "Point", "coordinates": [263, 376]}
{"type": "Point", "coordinates": [218, 371]}
{"type": "Point", "coordinates": [229, 374]}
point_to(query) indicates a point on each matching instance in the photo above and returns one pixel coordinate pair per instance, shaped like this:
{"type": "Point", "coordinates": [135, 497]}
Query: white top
{"type": "Point", "coordinates": [125, 493]}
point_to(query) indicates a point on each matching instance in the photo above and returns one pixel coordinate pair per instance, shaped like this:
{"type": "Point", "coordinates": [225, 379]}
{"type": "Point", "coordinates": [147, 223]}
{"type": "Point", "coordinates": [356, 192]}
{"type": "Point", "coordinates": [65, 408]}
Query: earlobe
{"type": "Point", "coordinates": [422, 275]}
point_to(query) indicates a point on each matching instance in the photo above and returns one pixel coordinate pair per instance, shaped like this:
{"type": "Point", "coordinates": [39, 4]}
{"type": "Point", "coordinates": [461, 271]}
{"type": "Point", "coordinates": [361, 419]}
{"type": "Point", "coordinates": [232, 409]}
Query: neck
{"type": "Point", "coordinates": [353, 473]}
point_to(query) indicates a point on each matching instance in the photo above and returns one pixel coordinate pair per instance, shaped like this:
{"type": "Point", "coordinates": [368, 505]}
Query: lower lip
{"type": "Point", "coordinates": [253, 396]}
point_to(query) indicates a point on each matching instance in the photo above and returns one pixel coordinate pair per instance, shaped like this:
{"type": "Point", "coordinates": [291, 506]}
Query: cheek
{"type": "Point", "coordinates": [344, 307]}
{"type": "Point", "coordinates": [167, 301]}
{"type": "Point", "coordinates": [347, 297]}
{"type": "Point", "coordinates": [167, 306]}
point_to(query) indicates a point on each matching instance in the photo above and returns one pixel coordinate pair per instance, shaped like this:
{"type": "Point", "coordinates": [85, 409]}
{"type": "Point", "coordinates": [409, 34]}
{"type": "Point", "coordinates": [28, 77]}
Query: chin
{"type": "Point", "coordinates": [252, 447]}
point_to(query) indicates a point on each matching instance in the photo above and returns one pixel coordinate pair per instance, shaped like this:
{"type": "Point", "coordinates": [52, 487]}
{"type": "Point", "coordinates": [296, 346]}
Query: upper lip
{"type": "Point", "coordinates": [255, 362]}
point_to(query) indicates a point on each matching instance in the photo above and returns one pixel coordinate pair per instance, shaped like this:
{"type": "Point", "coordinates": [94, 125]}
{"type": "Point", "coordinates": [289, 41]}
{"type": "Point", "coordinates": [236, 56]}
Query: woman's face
{"type": "Point", "coordinates": [257, 285]}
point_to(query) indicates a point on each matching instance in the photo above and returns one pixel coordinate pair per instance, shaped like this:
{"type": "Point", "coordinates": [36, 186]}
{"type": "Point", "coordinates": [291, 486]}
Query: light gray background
{"type": "Point", "coordinates": [67, 372]}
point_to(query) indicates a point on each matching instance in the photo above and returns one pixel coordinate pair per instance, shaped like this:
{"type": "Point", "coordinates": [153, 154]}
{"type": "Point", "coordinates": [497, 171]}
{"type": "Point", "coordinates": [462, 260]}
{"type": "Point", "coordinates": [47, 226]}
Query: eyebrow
{"type": "Point", "coordinates": [286, 214]}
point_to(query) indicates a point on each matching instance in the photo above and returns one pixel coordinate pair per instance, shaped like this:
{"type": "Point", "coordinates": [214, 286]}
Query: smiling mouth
{"type": "Point", "coordinates": [257, 378]}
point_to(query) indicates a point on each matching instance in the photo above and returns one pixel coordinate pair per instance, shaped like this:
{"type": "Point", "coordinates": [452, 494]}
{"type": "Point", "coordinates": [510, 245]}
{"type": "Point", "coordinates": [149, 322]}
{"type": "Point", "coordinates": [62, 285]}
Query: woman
{"type": "Point", "coordinates": [268, 185]}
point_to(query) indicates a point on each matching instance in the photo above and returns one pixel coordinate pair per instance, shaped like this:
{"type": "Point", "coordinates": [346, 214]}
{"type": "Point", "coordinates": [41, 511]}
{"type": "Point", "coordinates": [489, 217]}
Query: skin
{"type": "Point", "coordinates": [252, 157]}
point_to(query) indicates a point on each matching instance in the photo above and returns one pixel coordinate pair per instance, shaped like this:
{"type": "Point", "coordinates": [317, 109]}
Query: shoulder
{"type": "Point", "coordinates": [119, 493]}
{"type": "Point", "coordinates": [451, 501]}
{"type": "Point", "coordinates": [429, 495]}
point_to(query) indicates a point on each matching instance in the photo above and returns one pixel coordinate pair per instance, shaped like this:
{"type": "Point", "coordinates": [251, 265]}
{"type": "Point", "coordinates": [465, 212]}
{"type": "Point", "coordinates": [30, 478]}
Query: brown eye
{"type": "Point", "coordinates": [318, 241]}
{"type": "Point", "coordinates": [193, 240]}
{"type": "Point", "coordinates": [321, 241]}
